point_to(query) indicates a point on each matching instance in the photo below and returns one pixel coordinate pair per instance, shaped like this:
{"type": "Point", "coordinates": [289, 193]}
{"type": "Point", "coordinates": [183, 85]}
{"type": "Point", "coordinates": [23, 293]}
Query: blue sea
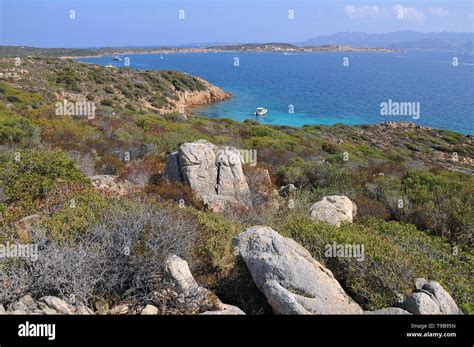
{"type": "Point", "coordinates": [316, 88]}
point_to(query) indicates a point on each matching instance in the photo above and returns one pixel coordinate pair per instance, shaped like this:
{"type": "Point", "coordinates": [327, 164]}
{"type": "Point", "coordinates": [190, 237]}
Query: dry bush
{"type": "Point", "coordinates": [109, 165]}
{"type": "Point", "coordinates": [84, 161]}
{"type": "Point", "coordinates": [139, 172]}
{"type": "Point", "coordinates": [371, 207]}
{"type": "Point", "coordinates": [174, 191]}
{"type": "Point", "coordinates": [124, 252]}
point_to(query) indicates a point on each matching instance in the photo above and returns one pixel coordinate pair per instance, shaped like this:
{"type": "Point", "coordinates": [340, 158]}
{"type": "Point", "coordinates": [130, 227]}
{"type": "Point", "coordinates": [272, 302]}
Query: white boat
{"type": "Point", "coordinates": [116, 58]}
{"type": "Point", "coordinates": [261, 111]}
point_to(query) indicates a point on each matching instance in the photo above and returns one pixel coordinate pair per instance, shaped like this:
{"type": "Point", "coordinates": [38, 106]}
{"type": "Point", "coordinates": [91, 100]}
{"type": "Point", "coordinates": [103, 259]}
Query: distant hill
{"type": "Point", "coordinates": [407, 39]}
{"type": "Point", "coordinates": [23, 51]}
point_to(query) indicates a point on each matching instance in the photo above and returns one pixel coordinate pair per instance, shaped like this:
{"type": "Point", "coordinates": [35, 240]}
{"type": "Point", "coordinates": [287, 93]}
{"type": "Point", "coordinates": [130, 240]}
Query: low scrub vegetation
{"type": "Point", "coordinates": [415, 205]}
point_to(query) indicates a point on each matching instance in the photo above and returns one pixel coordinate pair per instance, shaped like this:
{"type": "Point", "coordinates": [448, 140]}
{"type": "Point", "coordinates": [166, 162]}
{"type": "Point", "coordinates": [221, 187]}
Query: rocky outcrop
{"type": "Point", "coordinates": [111, 184]}
{"type": "Point", "coordinates": [214, 174]}
{"type": "Point", "coordinates": [208, 95]}
{"type": "Point", "coordinates": [291, 280]}
{"type": "Point", "coordinates": [58, 305]}
{"type": "Point", "coordinates": [207, 301]}
{"type": "Point", "coordinates": [334, 209]}
{"type": "Point", "coordinates": [442, 298]}
{"type": "Point", "coordinates": [420, 303]}
{"type": "Point", "coordinates": [430, 298]}
{"type": "Point", "coordinates": [47, 305]}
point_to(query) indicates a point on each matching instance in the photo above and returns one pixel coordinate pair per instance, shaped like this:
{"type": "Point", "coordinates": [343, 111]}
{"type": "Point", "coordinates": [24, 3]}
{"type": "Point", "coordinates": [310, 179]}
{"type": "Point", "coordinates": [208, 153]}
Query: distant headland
{"type": "Point", "coordinates": [22, 51]}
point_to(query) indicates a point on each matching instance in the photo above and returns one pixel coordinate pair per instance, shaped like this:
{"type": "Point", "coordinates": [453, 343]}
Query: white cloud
{"type": "Point", "coordinates": [438, 11]}
{"type": "Point", "coordinates": [408, 13]}
{"type": "Point", "coordinates": [361, 11]}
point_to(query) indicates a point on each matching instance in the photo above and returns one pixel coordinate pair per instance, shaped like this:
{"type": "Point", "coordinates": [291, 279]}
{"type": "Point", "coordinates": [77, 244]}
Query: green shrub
{"type": "Point", "coordinates": [17, 97]}
{"type": "Point", "coordinates": [32, 174]}
{"type": "Point", "coordinates": [14, 128]}
{"type": "Point", "coordinates": [182, 82]}
{"type": "Point", "coordinates": [68, 133]}
{"type": "Point", "coordinates": [217, 234]}
{"type": "Point", "coordinates": [81, 211]}
{"type": "Point", "coordinates": [324, 177]}
{"type": "Point", "coordinates": [441, 203]}
{"type": "Point", "coordinates": [395, 254]}
{"type": "Point", "coordinates": [220, 269]}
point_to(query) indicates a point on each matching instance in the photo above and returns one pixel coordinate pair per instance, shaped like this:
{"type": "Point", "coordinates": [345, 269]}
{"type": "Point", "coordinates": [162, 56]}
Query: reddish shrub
{"type": "Point", "coordinates": [370, 207]}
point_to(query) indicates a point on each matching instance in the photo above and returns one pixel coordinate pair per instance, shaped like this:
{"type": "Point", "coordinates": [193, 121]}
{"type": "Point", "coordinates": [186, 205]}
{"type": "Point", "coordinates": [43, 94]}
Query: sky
{"type": "Point", "coordinates": [105, 23]}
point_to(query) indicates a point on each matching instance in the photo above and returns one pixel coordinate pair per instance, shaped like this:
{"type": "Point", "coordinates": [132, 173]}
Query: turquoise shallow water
{"type": "Point", "coordinates": [322, 91]}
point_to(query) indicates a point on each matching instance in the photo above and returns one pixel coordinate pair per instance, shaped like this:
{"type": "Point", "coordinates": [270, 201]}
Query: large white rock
{"type": "Point", "coordinates": [430, 298]}
{"type": "Point", "coordinates": [198, 167]}
{"type": "Point", "coordinates": [420, 303]}
{"type": "Point", "coordinates": [231, 181]}
{"type": "Point", "coordinates": [445, 301]}
{"type": "Point", "coordinates": [291, 280]}
{"type": "Point", "coordinates": [214, 175]}
{"type": "Point", "coordinates": [334, 209]}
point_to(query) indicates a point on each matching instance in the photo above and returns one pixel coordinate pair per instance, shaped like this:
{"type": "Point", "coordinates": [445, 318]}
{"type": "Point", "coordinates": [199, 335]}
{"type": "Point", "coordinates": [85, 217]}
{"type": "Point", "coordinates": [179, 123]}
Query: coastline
{"type": "Point", "coordinates": [213, 110]}
{"type": "Point", "coordinates": [309, 49]}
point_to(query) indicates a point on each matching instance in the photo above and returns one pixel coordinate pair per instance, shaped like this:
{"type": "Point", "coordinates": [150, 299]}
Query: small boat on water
{"type": "Point", "coordinates": [116, 58]}
{"type": "Point", "coordinates": [261, 111]}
